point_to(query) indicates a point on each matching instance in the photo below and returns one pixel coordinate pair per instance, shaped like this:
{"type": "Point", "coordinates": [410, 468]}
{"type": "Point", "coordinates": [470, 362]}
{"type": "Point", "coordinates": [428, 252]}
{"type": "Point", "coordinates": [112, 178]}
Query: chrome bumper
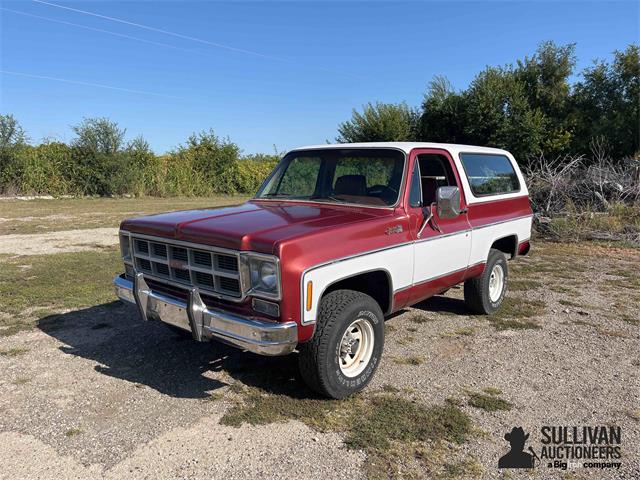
{"type": "Point", "coordinates": [257, 336]}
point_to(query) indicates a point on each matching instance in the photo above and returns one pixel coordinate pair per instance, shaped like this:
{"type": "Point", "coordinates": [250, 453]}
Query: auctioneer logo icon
{"type": "Point", "coordinates": [516, 457]}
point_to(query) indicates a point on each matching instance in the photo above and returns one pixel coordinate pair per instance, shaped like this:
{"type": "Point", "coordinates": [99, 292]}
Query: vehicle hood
{"type": "Point", "coordinates": [256, 226]}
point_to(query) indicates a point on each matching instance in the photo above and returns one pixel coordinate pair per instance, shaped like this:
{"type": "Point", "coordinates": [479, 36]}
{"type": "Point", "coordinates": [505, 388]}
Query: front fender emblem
{"type": "Point", "coordinates": [392, 230]}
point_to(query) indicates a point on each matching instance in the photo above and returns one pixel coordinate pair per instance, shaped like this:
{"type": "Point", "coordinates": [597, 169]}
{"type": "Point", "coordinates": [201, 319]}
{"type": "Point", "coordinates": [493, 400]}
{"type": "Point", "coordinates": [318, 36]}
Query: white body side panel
{"type": "Point", "coordinates": [483, 237]}
{"type": "Point", "coordinates": [433, 258]}
{"type": "Point", "coordinates": [436, 257]}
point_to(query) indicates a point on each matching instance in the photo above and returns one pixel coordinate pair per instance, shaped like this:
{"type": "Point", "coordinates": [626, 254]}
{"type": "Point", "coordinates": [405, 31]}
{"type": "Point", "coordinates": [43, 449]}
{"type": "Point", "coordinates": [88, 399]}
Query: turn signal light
{"type": "Point", "coordinates": [309, 295]}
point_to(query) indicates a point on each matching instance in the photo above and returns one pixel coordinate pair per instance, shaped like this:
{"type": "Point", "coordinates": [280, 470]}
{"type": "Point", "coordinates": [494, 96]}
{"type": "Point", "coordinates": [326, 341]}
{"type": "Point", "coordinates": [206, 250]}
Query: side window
{"type": "Point", "coordinates": [489, 174]}
{"type": "Point", "coordinates": [415, 194]}
{"type": "Point", "coordinates": [436, 172]}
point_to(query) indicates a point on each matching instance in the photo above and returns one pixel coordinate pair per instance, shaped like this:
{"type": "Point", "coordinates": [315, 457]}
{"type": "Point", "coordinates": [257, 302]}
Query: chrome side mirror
{"type": "Point", "coordinates": [448, 202]}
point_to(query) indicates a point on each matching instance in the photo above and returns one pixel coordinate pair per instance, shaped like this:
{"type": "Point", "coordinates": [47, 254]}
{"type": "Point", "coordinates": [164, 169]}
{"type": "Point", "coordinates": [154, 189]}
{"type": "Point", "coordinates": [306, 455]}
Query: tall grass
{"type": "Point", "coordinates": [204, 166]}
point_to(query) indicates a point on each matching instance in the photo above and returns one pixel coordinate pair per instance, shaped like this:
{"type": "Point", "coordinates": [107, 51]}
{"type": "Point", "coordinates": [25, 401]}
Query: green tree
{"type": "Point", "coordinates": [99, 136]}
{"type": "Point", "coordinates": [606, 104]}
{"type": "Point", "coordinates": [12, 142]}
{"type": "Point", "coordinates": [545, 79]}
{"type": "Point", "coordinates": [498, 114]}
{"type": "Point", "coordinates": [444, 113]}
{"type": "Point", "coordinates": [11, 133]}
{"type": "Point", "coordinates": [380, 122]}
{"type": "Point", "coordinates": [213, 159]}
{"type": "Point", "coordinates": [99, 165]}
{"type": "Point", "coordinates": [523, 108]}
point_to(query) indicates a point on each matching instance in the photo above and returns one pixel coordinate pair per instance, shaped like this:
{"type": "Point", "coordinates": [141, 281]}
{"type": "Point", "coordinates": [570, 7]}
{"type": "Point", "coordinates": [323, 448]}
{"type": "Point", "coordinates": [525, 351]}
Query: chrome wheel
{"type": "Point", "coordinates": [496, 283]}
{"type": "Point", "coordinates": [356, 348]}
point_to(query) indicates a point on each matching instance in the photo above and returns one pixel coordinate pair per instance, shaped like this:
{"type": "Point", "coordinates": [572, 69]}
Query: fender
{"type": "Point", "coordinates": [483, 236]}
{"type": "Point", "coordinates": [396, 262]}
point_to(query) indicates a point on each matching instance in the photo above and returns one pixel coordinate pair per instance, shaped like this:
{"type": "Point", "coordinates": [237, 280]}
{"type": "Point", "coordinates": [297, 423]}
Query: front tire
{"type": "Point", "coordinates": [484, 294]}
{"type": "Point", "coordinates": [346, 348]}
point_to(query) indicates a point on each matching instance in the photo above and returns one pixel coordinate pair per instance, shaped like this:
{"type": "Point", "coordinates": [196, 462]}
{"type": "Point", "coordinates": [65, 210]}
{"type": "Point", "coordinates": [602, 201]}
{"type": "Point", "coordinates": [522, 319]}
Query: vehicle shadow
{"type": "Point", "coordinates": [442, 304]}
{"type": "Point", "coordinates": [148, 353]}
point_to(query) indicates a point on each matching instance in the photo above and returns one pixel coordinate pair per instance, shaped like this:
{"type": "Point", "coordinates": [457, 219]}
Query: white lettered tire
{"type": "Point", "coordinates": [346, 348]}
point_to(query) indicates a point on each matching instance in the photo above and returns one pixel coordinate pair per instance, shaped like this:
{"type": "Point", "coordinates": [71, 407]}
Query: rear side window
{"type": "Point", "coordinates": [489, 174]}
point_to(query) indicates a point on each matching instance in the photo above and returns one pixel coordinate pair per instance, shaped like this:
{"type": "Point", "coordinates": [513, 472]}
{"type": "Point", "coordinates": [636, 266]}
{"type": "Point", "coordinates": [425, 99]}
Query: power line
{"type": "Point", "coordinates": [87, 84]}
{"type": "Point", "coordinates": [100, 30]}
{"type": "Point", "coordinates": [165, 32]}
{"type": "Point", "coordinates": [193, 39]}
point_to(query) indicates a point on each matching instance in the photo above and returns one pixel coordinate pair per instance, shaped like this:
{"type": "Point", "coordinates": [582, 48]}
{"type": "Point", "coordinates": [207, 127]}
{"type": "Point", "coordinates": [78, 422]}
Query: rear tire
{"type": "Point", "coordinates": [484, 294]}
{"type": "Point", "coordinates": [346, 348]}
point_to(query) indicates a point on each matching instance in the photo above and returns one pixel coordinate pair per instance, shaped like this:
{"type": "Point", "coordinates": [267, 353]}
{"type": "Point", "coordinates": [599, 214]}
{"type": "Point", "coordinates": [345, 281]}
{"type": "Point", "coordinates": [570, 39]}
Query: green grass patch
{"type": "Point", "coordinates": [13, 352]}
{"type": "Point", "coordinates": [419, 318]}
{"type": "Point", "coordinates": [459, 332]}
{"type": "Point", "coordinates": [490, 402]}
{"type": "Point", "coordinates": [582, 323]}
{"type": "Point", "coordinates": [214, 397]}
{"type": "Point", "coordinates": [524, 285]}
{"type": "Point", "coordinates": [568, 303]}
{"type": "Point", "coordinates": [561, 289]}
{"type": "Point", "coordinates": [388, 328]}
{"type": "Point", "coordinates": [394, 432]}
{"type": "Point", "coordinates": [72, 432]}
{"type": "Point", "coordinates": [409, 360]}
{"type": "Point", "coordinates": [42, 215]}
{"type": "Point", "coordinates": [54, 282]}
{"type": "Point", "coordinates": [406, 340]}
{"type": "Point", "coordinates": [635, 321]}
{"type": "Point", "coordinates": [390, 418]}
{"type": "Point", "coordinates": [492, 391]}
{"type": "Point", "coordinates": [260, 408]}
{"type": "Point", "coordinates": [517, 314]}
{"type": "Point", "coordinates": [389, 388]}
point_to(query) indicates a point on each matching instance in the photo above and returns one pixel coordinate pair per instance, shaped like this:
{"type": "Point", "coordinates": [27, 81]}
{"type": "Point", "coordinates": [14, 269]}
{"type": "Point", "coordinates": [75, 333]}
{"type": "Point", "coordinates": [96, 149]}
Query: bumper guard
{"type": "Point", "coordinates": [264, 338]}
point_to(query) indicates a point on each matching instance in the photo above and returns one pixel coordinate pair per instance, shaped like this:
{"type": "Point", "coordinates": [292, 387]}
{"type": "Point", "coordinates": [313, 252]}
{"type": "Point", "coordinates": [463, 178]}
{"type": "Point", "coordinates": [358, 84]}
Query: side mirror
{"type": "Point", "coordinates": [448, 202]}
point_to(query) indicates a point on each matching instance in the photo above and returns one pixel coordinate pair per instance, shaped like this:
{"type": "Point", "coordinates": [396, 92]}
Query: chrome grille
{"type": "Point", "coordinates": [209, 270]}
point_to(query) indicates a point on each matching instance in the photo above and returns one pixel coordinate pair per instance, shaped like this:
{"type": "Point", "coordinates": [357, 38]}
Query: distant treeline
{"type": "Point", "coordinates": [531, 108]}
{"type": "Point", "coordinates": [100, 162]}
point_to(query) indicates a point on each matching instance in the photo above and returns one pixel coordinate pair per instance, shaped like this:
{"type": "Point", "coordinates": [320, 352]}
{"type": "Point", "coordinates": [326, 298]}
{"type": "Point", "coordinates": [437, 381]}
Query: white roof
{"type": "Point", "coordinates": [408, 146]}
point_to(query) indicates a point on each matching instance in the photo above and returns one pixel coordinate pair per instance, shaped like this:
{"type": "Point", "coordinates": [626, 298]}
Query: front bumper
{"type": "Point", "coordinates": [264, 338]}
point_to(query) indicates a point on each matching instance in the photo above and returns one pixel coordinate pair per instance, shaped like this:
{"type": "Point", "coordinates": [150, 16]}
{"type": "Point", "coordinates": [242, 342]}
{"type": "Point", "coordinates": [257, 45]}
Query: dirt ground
{"type": "Point", "coordinates": [96, 393]}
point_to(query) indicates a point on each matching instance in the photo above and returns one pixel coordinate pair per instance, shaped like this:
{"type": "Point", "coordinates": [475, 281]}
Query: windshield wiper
{"type": "Point", "coordinates": [275, 195]}
{"type": "Point", "coordinates": [328, 197]}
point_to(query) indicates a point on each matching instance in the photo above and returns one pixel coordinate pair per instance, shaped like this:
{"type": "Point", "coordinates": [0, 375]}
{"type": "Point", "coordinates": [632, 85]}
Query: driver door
{"type": "Point", "coordinates": [441, 247]}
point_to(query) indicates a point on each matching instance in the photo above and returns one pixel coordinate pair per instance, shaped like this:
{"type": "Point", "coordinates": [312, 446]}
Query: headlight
{"type": "Point", "coordinates": [263, 276]}
{"type": "Point", "coordinates": [125, 247]}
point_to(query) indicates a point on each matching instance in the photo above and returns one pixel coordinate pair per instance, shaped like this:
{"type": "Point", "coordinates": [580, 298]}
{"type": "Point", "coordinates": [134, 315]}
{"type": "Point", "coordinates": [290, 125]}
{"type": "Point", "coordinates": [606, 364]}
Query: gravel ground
{"type": "Point", "coordinates": [97, 393]}
{"type": "Point", "coordinates": [58, 242]}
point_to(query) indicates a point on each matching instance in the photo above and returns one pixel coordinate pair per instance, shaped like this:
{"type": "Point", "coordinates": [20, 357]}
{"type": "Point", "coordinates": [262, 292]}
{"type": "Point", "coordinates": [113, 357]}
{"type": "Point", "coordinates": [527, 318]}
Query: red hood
{"type": "Point", "coordinates": [256, 226]}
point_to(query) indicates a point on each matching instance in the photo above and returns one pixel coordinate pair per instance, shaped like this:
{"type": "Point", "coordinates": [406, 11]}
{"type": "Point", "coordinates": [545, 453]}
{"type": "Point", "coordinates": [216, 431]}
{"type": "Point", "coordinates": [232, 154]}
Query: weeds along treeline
{"type": "Point", "coordinates": [99, 161]}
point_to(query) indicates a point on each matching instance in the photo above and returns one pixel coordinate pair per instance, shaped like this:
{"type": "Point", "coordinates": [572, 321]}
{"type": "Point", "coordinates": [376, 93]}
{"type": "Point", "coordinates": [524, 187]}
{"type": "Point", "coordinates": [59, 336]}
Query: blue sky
{"type": "Point", "coordinates": [267, 73]}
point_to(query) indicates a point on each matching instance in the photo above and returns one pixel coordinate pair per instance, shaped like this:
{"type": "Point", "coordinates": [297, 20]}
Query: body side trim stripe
{"type": "Point", "coordinates": [480, 227]}
{"type": "Point", "coordinates": [398, 245]}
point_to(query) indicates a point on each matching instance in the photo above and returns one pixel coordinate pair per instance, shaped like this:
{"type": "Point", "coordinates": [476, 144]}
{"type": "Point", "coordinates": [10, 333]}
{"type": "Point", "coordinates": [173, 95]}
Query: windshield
{"type": "Point", "coordinates": [369, 177]}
